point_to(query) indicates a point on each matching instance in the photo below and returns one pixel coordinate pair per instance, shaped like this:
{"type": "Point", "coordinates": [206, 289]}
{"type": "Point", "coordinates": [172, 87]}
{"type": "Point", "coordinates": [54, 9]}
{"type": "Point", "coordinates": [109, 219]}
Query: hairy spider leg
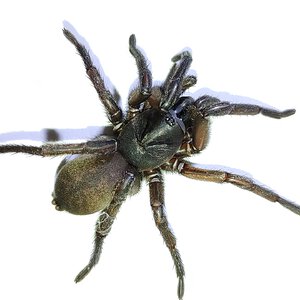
{"type": "Point", "coordinates": [157, 202]}
{"type": "Point", "coordinates": [145, 76]}
{"type": "Point", "coordinates": [98, 146]}
{"type": "Point", "coordinates": [114, 112]}
{"type": "Point", "coordinates": [105, 221]}
{"type": "Point", "coordinates": [212, 106]}
{"type": "Point", "coordinates": [188, 82]}
{"type": "Point", "coordinates": [192, 171]}
{"type": "Point", "coordinates": [173, 85]}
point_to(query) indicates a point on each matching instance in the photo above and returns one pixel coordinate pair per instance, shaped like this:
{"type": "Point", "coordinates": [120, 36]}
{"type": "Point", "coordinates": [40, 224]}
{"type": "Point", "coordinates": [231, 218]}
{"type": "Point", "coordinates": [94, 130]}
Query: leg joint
{"type": "Point", "coordinates": [104, 223]}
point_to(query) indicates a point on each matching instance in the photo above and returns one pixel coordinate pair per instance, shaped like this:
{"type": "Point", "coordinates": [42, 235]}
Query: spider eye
{"type": "Point", "coordinates": [170, 120]}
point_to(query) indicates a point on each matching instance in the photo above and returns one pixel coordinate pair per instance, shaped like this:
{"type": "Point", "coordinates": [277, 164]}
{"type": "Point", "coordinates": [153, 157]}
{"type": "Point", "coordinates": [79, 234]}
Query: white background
{"type": "Point", "coordinates": [234, 244]}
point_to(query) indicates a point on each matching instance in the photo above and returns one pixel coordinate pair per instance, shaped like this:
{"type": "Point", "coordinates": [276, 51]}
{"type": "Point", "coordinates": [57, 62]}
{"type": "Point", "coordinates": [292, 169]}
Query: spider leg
{"type": "Point", "coordinates": [103, 146]}
{"type": "Point", "coordinates": [145, 76]}
{"type": "Point", "coordinates": [105, 221]}
{"type": "Point", "coordinates": [194, 172]}
{"type": "Point", "coordinates": [176, 82]}
{"type": "Point", "coordinates": [114, 112]}
{"type": "Point", "coordinates": [188, 82]}
{"type": "Point", "coordinates": [212, 106]}
{"type": "Point", "coordinates": [156, 187]}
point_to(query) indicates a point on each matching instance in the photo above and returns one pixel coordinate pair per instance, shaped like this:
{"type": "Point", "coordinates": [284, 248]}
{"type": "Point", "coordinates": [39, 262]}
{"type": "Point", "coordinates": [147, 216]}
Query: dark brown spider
{"type": "Point", "coordinates": [160, 129]}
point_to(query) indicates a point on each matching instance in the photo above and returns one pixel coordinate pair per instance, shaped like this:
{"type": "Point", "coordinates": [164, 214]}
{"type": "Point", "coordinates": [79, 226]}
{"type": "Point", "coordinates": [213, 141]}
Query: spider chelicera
{"type": "Point", "coordinates": [161, 128]}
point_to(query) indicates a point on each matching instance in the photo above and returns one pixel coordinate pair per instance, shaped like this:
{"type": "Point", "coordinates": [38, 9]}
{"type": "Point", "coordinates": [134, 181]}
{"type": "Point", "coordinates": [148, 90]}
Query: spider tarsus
{"type": "Point", "coordinates": [180, 56]}
{"type": "Point", "coordinates": [70, 36]}
{"type": "Point", "coordinates": [21, 149]}
{"type": "Point", "coordinates": [145, 76]}
{"type": "Point", "coordinates": [295, 208]}
{"type": "Point", "coordinates": [188, 82]}
{"type": "Point", "coordinates": [81, 275]}
{"type": "Point", "coordinates": [277, 114]}
{"type": "Point", "coordinates": [180, 288]}
{"type": "Point", "coordinates": [132, 41]}
{"type": "Point", "coordinates": [288, 112]}
{"type": "Point", "coordinates": [83, 52]}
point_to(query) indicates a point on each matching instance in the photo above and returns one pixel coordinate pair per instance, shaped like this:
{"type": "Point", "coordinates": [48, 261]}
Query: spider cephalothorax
{"type": "Point", "coordinates": [161, 128]}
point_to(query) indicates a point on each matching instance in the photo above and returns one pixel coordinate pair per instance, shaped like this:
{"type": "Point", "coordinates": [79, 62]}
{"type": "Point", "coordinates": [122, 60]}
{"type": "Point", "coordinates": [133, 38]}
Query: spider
{"type": "Point", "coordinates": [161, 128]}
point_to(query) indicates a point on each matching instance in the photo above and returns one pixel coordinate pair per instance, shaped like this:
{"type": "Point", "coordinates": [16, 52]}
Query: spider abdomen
{"type": "Point", "coordinates": [151, 138]}
{"type": "Point", "coordinates": [86, 183]}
